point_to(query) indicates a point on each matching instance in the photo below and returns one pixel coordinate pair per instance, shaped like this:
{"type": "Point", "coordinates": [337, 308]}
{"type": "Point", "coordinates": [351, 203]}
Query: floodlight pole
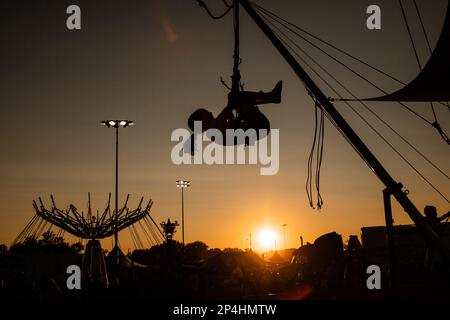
{"type": "Point", "coordinates": [182, 184]}
{"type": "Point", "coordinates": [182, 212]}
{"type": "Point", "coordinates": [393, 187]}
{"type": "Point", "coordinates": [116, 124]}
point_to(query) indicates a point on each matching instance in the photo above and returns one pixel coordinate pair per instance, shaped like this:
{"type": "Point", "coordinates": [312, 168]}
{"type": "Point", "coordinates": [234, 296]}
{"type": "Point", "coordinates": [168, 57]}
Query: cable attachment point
{"type": "Point", "coordinates": [444, 136]}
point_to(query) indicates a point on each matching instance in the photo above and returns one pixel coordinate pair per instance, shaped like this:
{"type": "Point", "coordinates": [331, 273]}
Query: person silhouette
{"type": "Point", "coordinates": [241, 112]}
{"type": "Point", "coordinates": [431, 215]}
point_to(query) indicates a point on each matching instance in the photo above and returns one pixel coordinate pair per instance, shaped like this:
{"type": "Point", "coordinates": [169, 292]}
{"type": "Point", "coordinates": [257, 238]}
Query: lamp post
{"type": "Point", "coordinates": [116, 124]}
{"type": "Point", "coordinates": [182, 184]}
{"type": "Point", "coordinates": [284, 234]}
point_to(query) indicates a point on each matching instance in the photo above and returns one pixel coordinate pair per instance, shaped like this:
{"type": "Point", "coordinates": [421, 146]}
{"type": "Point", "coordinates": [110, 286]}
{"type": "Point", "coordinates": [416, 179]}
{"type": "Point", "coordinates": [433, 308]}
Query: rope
{"type": "Point", "coordinates": [156, 227]}
{"type": "Point", "coordinates": [41, 230]}
{"type": "Point", "coordinates": [204, 6]}
{"type": "Point", "coordinates": [157, 236]}
{"type": "Point", "coordinates": [26, 230]}
{"type": "Point", "coordinates": [319, 157]}
{"type": "Point", "coordinates": [422, 25]}
{"type": "Point", "coordinates": [132, 238]}
{"type": "Point", "coordinates": [317, 150]}
{"type": "Point", "coordinates": [410, 34]}
{"type": "Point", "coordinates": [138, 238]}
{"type": "Point", "coordinates": [331, 57]}
{"type": "Point", "coordinates": [149, 238]}
{"type": "Point", "coordinates": [413, 44]}
{"type": "Point", "coordinates": [37, 228]}
{"type": "Point", "coordinates": [348, 54]}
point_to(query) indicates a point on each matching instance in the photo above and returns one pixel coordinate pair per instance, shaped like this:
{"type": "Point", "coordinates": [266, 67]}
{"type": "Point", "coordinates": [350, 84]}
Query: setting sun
{"type": "Point", "coordinates": [267, 239]}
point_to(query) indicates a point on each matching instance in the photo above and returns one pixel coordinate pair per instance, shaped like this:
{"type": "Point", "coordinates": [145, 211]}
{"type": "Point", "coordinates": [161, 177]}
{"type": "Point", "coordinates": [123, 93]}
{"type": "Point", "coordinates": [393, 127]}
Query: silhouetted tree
{"type": "Point", "coordinates": [30, 241]}
{"type": "Point", "coordinates": [48, 242]}
{"type": "Point", "coordinates": [50, 238]}
{"type": "Point", "coordinates": [232, 250]}
{"type": "Point", "coordinates": [3, 249]}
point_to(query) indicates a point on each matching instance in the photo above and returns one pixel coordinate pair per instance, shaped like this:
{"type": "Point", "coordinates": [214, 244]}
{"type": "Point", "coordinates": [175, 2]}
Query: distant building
{"type": "Point", "coordinates": [409, 245]}
{"type": "Point", "coordinates": [373, 237]}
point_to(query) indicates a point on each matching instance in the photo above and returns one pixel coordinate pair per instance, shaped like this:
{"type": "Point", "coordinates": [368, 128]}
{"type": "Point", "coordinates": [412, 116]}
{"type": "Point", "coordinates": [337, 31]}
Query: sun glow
{"type": "Point", "coordinates": [267, 239]}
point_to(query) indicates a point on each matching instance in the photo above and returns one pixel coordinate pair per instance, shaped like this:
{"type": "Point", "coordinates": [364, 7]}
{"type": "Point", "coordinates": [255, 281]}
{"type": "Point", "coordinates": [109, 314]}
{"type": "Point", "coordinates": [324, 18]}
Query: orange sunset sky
{"type": "Point", "coordinates": [155, 62]}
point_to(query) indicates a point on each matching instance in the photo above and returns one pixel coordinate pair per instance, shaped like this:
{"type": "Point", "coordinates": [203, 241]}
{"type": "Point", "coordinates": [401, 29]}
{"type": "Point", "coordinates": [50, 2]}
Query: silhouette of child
{"type": "Point", "coordinates": [432, 216]}
{"type": "Point", "coordinates": [248, 115]}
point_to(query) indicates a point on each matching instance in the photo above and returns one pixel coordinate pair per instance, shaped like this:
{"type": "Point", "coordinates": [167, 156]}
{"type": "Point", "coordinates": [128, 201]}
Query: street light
{"type": "Point", "coordinates": [284, 234]}
{"type": "Point", "coordinates": [117, 124]}
{"type": "Point", "coordinates": [182, 184]}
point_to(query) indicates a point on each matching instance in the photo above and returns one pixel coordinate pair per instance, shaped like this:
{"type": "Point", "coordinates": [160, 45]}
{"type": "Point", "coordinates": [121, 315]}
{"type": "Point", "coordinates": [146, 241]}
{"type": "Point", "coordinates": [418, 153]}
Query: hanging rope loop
{"type": "Point", "coordinates": [204, 6]}
{"type": "Point", "coordinates": [316, 157]}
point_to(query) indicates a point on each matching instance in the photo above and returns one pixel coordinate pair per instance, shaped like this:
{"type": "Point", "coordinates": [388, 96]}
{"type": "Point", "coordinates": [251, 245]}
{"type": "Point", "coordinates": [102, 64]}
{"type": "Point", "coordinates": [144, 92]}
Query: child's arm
{"type": "Point", "coordinates": [445, 216]}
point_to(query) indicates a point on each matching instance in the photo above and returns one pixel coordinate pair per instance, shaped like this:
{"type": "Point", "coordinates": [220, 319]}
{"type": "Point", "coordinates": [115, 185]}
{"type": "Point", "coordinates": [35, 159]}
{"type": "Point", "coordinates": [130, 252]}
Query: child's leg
{"type": "Point", "coordinates": [251, 98]}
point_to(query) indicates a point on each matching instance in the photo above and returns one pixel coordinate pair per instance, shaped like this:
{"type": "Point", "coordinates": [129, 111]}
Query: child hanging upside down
{"type": "Point", "coordinates": [247, 116]}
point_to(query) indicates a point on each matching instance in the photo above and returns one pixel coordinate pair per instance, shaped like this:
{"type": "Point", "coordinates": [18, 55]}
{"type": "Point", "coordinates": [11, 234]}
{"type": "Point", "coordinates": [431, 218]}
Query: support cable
{"type": "Point", "coordinates": [204, 6]}
{"type": "Point", "coordinates": [360, 115]}
{"type": "Point", "coordinates": [361, 102]}
{"type": "Point", "coordinates": [284, 23]}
